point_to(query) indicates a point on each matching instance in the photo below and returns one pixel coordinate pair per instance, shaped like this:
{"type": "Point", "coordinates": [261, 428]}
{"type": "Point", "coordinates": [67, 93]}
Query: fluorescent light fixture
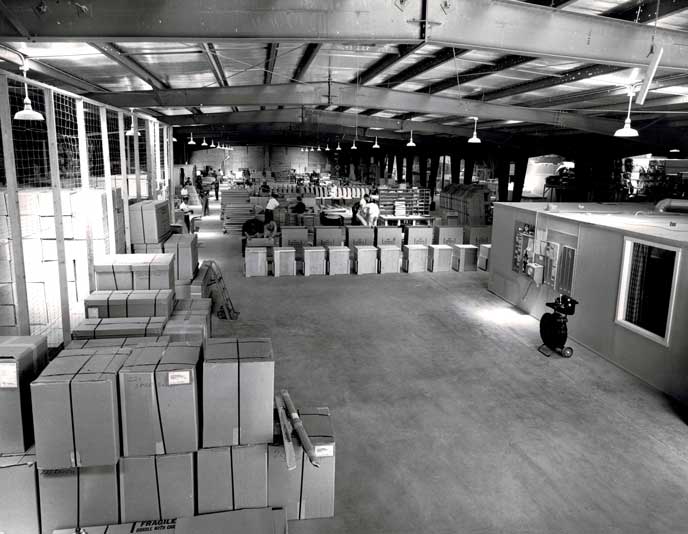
{"type": "Point", "coordinates": [191, 141]}
{"type": "Point", "coordinates": [411, 143]}
{"type": "Point", "coordinates": [475, 139]}
{"type": "Point", "coordinates": [674, 150]}
{"type": "Point", "coordinates": [376, 145]}
{"type": "Point", "coordinates": [627, 131]}
{"type": "Point", "coordinates": [375, 128]}
{"type": "Point", "coordinates": [27, 114]}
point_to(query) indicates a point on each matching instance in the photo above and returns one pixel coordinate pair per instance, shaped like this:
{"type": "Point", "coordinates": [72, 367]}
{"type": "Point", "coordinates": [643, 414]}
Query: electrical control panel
{"type": "Point", "coordinates": [536, 272]}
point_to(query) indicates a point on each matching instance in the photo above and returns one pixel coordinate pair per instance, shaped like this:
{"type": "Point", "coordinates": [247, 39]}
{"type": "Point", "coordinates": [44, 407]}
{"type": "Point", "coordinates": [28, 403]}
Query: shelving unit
{"type": "Point", "coordinates": [416, 201]}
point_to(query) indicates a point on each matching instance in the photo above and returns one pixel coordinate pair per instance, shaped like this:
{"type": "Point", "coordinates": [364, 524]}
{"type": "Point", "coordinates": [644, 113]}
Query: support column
{"type": "Point", "coordinates": [519, 178]}
{"type": "Point", "coordinates": [85, 183]}
{"type": "Point", "coordinates": [21, 299]}
{"type": "Point", "coordinates": [57, 212]}
{"type": "Point", "coordinates": [124, 168]}
{"type": "Point", "coordinates": [469, 164]}
{"type": "Point", "coordinates": [410, 158]}
{"type": "Point", "coordinates": [502, 175]}
{"type": "Point", "coordinates": [434, 168]}
{"type": "Point", "coordinates": [455, 168]}
{"type": "Point", "coordinates": [108, 181]}
{"type": "Point", "coordinates": [400, 167]}
{"type": "Point", "coordinates": [390, 166]}
{"type": "Point", "coordinates": [423, 168]}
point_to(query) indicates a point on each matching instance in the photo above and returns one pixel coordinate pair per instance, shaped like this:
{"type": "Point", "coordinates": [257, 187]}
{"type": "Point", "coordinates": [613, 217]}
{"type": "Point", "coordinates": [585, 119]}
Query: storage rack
{"type": "Point", "coordinates": [417, 201]}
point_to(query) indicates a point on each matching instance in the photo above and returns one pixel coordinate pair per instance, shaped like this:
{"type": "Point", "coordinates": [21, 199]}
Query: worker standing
{"type": "Point", "coordinates": [270, 208]}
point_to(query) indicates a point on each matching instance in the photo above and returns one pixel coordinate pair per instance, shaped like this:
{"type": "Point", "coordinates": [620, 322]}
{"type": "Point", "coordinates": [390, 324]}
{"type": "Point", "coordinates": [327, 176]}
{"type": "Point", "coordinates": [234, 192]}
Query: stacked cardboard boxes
{"type": "Point", "coordinates": [135, 271]}
{"type": "Point", "coordinates": [86, 235]}
{"type": "Point", "coordinates": [129, 303]}
{"type": "Point", "coordinates": [149, 221]}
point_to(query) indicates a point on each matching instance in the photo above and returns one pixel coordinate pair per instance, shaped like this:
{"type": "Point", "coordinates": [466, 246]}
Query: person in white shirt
{"type": "Point", "coordinates": [272, 204]}
{"type": "Point", "coordinates": [372, 212]}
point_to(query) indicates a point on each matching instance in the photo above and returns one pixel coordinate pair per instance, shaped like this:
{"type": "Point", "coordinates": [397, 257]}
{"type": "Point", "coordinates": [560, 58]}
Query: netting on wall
{"type": "Point", "coordinates": [30, 138]}
{"type": "Point", "coordinates": [3, 179]}
{"type": "Point", "coordinates": [143, 146]}
{"type": "Point", "coordinates": [94, 144]}
{"type": "Point", "coordinates": [113, 143]}
{"type": "Point", "coordinates": [67, 141]}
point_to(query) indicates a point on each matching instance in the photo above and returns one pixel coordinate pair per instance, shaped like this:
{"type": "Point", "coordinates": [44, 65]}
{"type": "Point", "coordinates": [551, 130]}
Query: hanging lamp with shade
{"type": "Point", "coordinates": [339, 147]}
{"type": "Point", "coordinates": [191, 139]}
{"type": "Point", "coordinates": [131, 131]}
{"type": "Point", "coordinates": [28, 113]}
{"type": "Point", "coordinates": [204, 143]}
{"type": "Point", "coordinates": [376, 144]}
{"type": "Point", "coordinates": [411, 143]}
{"type": "Point", "coordinates": [327, 147]}
{"type": "Point", "coordinates": [474, 139]}
{"type": "Point", "coordinates": [627, 131]}
{"type": "Point", "coordinates": [212, 144]}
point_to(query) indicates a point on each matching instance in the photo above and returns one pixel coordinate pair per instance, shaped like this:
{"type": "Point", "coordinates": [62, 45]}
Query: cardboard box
{"type": "Point", "coordinates": [448, 235]}
{"type": "Point", "coordinates": [365, 258]}
{"type": "Point", "coordinates": [238, 378]}
{"type": "Point", "coordinates": [253, 521]}
{"type": "Point", "coordinates": [250, 476]}
{"type": "Point", "coordinates": [388, 235]}
{"type": "Point", "coordinates": [284, 261]}
{"type": "Point", "coordinates": [22, 359]}
{"type": "Point", "coordinates": [214, 480]}
{"type": "Point", "coordinates": [360, 236]}
{"type": "Point", "coordinates": [256, 261]}
{"type": "Point", "coordinates": [284, 486]}
{"type": "Point", "coordinates": [314, 261]}
{"type": "Point", "coordinates": [439, 258]}
{"type": "Point", "coordinates": [188, 328]}
{"type": "Point", "coordinates": [389, 256]}
{"type": "Point", "coordinates": [418, 235]}
{"type": "Point", "coordinates": [317, 485]}
{"type": "Point", "coordinates": [329, 236]}
{"type": "Point", "coordinates": [477, 235]}
{"type": "Point", "coordinates": [294, 236]}
{"type": "Point", "coordinates": [75, 411]}
{"type": "Point", "coordinates": [159, 400]}
{"type": "Point", "coordinates": [464, 258]}
{"type": "Point", "coordinates": [149, 221]}
{"type": "Point", "coordinates": [157, 487]}
{"type": "Point", "coordinates": [19, 506]}
{"type": "Point", "coordinates": [415, 258]}
{"type": "Point", "coordinates": [338, 260]}
{"type": "Point", "coordinates": [96, 304]}
{"type": "Point", "coordinates": [79, 496]}
{"type": "Point", "coordinates": [185, 249]}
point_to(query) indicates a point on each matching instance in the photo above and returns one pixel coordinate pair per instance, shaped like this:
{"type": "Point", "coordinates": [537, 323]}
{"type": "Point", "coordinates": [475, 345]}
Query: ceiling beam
{"type": "Point", "coordinates": [570, 76]}
{"type": "Point", "coordinates": [306, 60]}
{"type": "Point", "coordinates": [116, 54]}
{"type": "Point", "coordinates": [325, 93]}
{"type": "Point", "coordinates": [270, 60]}
{"type": "Point", "coordinates": [216, 66]}
{"type": "Point", "coordinates": [646, 11]}
{"type": "Point", "coordinates": [509, 26]}
{"type": "Point", "coordinates": [385, 62]}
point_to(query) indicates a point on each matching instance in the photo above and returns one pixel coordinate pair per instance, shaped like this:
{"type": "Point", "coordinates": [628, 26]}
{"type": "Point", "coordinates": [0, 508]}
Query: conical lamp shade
{"type": "Point", "coordinates": [28, 114]}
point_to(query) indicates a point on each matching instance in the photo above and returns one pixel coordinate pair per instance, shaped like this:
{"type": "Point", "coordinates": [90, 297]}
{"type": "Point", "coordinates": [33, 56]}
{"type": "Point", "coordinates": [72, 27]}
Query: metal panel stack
{"type": "Point", "coordinates": [235, 210]}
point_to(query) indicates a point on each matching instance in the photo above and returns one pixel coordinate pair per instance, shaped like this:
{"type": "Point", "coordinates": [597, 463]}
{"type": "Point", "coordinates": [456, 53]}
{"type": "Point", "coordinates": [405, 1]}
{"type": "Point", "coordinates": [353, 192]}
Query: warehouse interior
{"type": "Point", "coordinates": [346, 266]}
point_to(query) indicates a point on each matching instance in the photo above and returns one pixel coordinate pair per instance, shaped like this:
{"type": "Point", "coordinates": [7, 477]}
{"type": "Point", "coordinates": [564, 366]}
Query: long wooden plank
{"type": "Point", "coordinates": [108, 180]}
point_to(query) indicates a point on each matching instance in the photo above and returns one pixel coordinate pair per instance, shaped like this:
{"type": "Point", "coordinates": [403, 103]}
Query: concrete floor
{"type": "Point", "coordinates": [448, 420]}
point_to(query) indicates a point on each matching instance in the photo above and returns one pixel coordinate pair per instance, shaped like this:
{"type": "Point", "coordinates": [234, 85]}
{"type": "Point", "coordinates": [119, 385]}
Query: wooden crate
{"type": "Point", "coordinates": [439, 258]}
{"type": "Point", "coordinates": [365, 260]}
{"type": "Point", "coordinates": [415, 258]}
{"type": "Point", "coordinates": [256, 262]}
{"type": "Point", "coordinates": [338, 260]}
{"type": "Point", "coordinates": [389, 256]}
{"type": "Point", "coordinates": [314, 261]}
{"type": "Point", "coordinates": [284, 261]}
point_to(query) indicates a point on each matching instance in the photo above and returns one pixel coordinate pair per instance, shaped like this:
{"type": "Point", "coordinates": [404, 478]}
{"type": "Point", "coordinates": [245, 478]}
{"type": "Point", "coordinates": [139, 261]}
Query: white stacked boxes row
{"type": "Point", "coordinates": [129, 303]}
{"type": "Point", "coordinates": [119, 327]}
{"type": "Point", "coordinates": [185, 249]}
{"type": "Point", "coordinates": [85, 224]}
{"type": "Point", "coordinates": [135, 271]}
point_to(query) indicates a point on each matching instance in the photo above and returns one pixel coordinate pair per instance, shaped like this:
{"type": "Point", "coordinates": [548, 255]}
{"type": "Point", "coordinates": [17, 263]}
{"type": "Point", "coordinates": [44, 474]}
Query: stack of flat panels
{"type": "Point", "coordinates": [235, 210]}
{"type": "Point", "coordinates": [120, 327]}
{"type": "Point", "coordinates": [130, 303]}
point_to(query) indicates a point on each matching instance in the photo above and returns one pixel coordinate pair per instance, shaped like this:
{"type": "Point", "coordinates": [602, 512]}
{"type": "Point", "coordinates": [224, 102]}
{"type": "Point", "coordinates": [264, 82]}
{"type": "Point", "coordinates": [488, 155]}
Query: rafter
{"type": "Point", "coordinates": [306, 60]}
{"type": "Point", "coordinates": [645, 11]}
{"type": "Point", "coordinates": [215, 65]}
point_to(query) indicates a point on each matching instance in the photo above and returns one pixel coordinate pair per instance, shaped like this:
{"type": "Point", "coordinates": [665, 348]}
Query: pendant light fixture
{"type": "Point", "coordinates": [28, 113]}
{"type": "Point", "coordinates": [319, 149]}
{"type": "Point", "coordinates": [204, 143]}
{"type": "Point", "coordinates": [376, 145]}
{"type": "Point", "coordinates": [353, 145]}
{"type": "Point", "coordinates": [627, 131]}
{"type": "Point", "coordinates": [131, 131]}
{"type": "Point", "coordinates": [191, 141]}
{"type": "Point", "coordinates": [311, 150]}
{"type": "Point", "coordinates": [212, 144]}
{"type": "Point", "coordinates": [411, 143]}
{"type": "Point", "coordinates": [301, 149]}
{"type": "Point", "coordinates": [339, 147]}
{"type": "Point", "coordinates": [327, 147]}
{"type": "Point", "coordinates": [475, 139]}
{"type": "Point", "coordinates": [174, 139]}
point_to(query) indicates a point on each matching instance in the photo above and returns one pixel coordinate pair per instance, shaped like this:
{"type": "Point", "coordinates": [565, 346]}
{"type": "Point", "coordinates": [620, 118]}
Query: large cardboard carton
{"type": "Point", "coordinates": [314, 261]}
{"type": "Point", "coordinates": [464, 258]}
{"type": "Point", "coordinates": [388, 235]}
{"type": "Point", "coordinates": [149, 221]}
{"type": "Point", "coordinates": [159, 400]}
{"type": "Point", "coordinates": [214, 480]}
{"type": "Point", "coordinates": [19, 506]}
{"type": "Point", "coordinates": [256, 261]}
{"type": "Point", "coordinates": [448, 235]}
{"type": "Point", "coordinates": [365, 258]}
{"type": "Point", "coordinates": [317, 493]}
{"type": "Point", "coordinates": [283, 261]}
{"type": "Point", "coordinates": [284, 486]}
{"type": "Point", "coordinates": [238, 378]}
{"type": "Point", "coordinates": [439, 258]}
{"type": "Point", "coordinates": [250, 476]}
{"type": "Point", "coordinates": [79, 496]}
{"type": "Point", "coordinates": [390, 256]}
{"type": "Point", "coordinates": [477, 235]}
{"type": "Point", "coordinates": [338, 260]}
{"type": "Point", "coordinates": [415, 258]}
{"type": "Point", "coordinates": [360, 236]}
{"type": "Point", "coordinates": [254, 521]}
{"type": "Point", "coordinates": [294, 236]}
{"type": "Point", "coordinates": [75, 411]}
{"type": "Point", "coordinates": [157, 487]}
{"type": "Point", "coordinates": [418, 235]}
{"type": "Point", "coordinates": [329, 236]}
{"type": "Point", "coordinates": [22, 359]}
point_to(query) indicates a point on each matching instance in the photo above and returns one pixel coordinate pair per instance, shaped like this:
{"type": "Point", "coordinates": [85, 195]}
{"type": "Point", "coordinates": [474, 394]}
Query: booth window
{"type": "Point", "coordinates": [648, 283]}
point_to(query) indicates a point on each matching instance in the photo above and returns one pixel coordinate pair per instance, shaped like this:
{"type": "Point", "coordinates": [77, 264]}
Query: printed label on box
{"type": "Point", "coordinates": [324, 451]}
{"type": "Point", "coordinates": [178, 378]}
{"type": "Point", "coordinates": [93, 313]}
{"type": "Point", "coordinates": [8, 375]}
